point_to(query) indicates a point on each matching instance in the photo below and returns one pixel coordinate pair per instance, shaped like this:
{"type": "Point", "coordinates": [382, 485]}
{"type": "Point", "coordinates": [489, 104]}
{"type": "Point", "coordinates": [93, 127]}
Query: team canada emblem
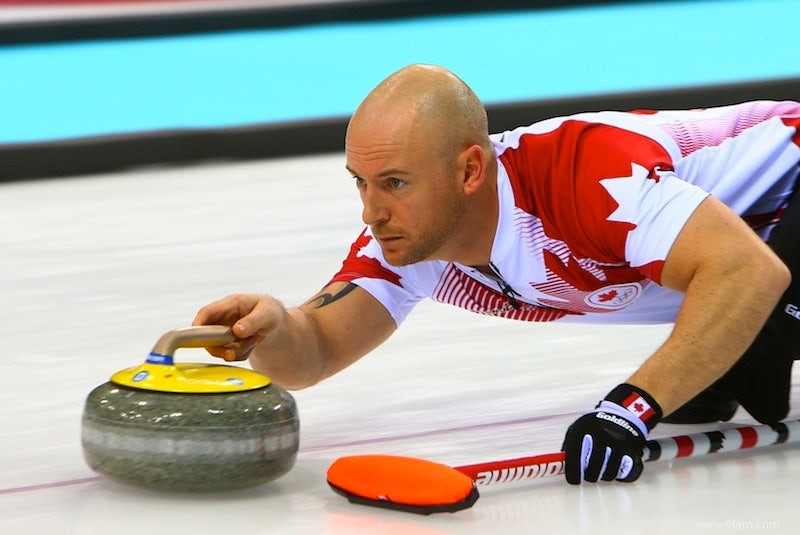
{"type": "Point", "coordinates": [615, 296]}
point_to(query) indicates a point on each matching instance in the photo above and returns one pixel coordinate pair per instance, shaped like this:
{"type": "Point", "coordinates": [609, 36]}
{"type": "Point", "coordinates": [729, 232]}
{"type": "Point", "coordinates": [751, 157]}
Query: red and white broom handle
{"type": "Point", "coordinates": [551, 464]}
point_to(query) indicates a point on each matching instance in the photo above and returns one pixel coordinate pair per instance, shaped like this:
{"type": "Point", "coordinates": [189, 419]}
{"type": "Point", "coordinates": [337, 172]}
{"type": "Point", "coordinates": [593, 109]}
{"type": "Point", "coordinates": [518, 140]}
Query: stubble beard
{"type": "Point", "coordinates": [434, 236]}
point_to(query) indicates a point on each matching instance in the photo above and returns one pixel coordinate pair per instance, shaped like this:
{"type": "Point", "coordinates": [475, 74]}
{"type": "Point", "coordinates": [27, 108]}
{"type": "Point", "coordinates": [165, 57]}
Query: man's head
{"type": "Point", "coordinates": [418, 146]}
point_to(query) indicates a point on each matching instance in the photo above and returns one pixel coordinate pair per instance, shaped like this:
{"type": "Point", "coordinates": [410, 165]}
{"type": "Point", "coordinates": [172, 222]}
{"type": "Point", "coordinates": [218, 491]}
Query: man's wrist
{"type": "Point", "coordinates": [638, 402]}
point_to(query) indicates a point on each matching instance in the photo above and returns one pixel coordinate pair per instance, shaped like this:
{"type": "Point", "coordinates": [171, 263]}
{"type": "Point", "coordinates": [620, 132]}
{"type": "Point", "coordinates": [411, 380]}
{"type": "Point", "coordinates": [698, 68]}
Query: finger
{"type": "Point", "coordinates": [228, 310]}
{"type": "Point", "coordinates": [594, 461]}
{"type": "Point", "coordinates": [238, 350]}
{"type": "Point", "coordinates": [222, 312]}
{"type": "Point", "coordinates": [625, 467]}
{"type": "Point", "coordinates": [261, 317]}
{"type": "Point", "coordinates": [242, 350]}
{"type": "Point", "coordinates": [222, 352]}
{"type": "Point", "coordinates": [573, 465]}
{"type": "Point", "coordinates": [637, 466]}
{"type": "Point", "coordinates": [612, 468]}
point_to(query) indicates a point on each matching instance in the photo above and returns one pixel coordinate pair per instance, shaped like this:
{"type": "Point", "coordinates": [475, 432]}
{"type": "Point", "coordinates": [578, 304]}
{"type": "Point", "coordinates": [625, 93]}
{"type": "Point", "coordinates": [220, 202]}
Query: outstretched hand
{"type": "Point", "coordinates": [608, 442]}
{"type": "Point", "coordinates": [298, 347]}
{"type": "Point", "coordinates": [251, 318]}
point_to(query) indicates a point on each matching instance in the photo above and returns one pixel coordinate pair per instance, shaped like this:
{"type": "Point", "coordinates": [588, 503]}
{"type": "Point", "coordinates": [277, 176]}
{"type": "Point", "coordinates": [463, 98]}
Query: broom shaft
{"type": "Point", "coordinates": [676, 447]}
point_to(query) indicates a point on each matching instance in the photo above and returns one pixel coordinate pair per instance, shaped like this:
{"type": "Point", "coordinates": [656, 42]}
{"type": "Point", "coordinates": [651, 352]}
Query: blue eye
{"type": "Point", "coordinates": [396, 183]}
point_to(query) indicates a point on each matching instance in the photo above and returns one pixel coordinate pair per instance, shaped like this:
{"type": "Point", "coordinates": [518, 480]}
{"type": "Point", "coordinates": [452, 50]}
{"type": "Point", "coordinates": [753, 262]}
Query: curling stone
{"type": "Point", "coordinates": [190, 427]}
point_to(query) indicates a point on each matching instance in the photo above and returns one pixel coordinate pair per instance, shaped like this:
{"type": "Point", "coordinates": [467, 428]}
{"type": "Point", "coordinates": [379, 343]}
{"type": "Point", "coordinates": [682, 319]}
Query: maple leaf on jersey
{"type": "Point", "coordinates": [608, 296]}
{"type": "Point", "coordinates": [625, 190]}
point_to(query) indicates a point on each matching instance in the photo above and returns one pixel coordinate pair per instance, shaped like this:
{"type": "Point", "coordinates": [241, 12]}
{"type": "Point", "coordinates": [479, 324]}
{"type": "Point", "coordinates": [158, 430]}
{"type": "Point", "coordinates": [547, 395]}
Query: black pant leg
{"type": "Point", "coordinates": [785, 241]}
{"type": "Point", "coordinates": [761, 380]}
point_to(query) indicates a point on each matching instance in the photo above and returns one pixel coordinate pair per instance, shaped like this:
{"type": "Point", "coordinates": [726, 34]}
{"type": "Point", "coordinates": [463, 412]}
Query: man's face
{"type": "Point", "coordinates": [408, 187]}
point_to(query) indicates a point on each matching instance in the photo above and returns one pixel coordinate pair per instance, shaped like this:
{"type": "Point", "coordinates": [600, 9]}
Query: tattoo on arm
{"type": "Point", "coordinates": [322, 299]}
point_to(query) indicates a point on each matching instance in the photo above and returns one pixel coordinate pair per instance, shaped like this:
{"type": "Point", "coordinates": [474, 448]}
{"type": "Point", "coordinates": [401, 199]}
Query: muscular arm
{"type": "Point", "coordinates": [732, 281]}
{"type": "Point", "coordinates": [298, 347]}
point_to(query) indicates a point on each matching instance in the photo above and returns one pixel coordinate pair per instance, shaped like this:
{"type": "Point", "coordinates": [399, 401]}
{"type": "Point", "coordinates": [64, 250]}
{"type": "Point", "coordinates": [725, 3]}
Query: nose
{"type": "Point", "coordinates": [374, 209]}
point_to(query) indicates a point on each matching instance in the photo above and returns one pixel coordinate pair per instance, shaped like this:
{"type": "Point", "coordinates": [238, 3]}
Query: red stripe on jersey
{"type": "Point", "coordinates": [759, 221]}
{"type": "Point", "coordinates": [794, 122]}
{"type": "Point", "coordinates": [459, 289]}
{"type": "Point", "coordinates": [357, 267]}
{"type": "Point", "coordinates": [749, 437]}
{"type": "Point", "coordinates": [652, 270]}
{"type": "Point", "coordinates": [685, 446]}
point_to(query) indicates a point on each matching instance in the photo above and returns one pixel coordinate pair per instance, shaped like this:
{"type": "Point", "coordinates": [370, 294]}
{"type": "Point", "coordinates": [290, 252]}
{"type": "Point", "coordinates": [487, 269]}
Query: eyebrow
{"type": "Point", "coordinates": [386, 172]}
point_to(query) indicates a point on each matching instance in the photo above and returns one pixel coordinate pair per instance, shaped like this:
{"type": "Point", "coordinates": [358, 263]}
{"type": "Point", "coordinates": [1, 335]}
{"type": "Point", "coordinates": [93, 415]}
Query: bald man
{"type": "Point", "coordinates": [680, 216]}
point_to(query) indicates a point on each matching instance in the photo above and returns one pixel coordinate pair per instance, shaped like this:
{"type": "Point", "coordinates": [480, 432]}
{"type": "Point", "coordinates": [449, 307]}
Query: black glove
{"type": "Point", "coordinates": [608, 442]}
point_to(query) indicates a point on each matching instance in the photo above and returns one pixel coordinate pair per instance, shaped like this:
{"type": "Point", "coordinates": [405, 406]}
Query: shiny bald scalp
{"type": "Point", "coordinates": [435, 102]}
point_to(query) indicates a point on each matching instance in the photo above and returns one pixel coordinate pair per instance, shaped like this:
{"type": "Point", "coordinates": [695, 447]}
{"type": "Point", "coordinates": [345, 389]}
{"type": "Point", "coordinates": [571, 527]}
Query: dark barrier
{"type": "Point", "coordinates": [169, 147]}
{"type": "Point", "coordinates": [272, 14]}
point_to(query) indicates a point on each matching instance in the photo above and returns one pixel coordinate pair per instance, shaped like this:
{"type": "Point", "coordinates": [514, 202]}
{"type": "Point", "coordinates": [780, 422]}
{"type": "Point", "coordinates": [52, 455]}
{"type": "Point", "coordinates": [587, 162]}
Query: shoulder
{"type": "Point", "coordinates": [589, 178]}
{"type": "Point", "coordinates": [628, 134]}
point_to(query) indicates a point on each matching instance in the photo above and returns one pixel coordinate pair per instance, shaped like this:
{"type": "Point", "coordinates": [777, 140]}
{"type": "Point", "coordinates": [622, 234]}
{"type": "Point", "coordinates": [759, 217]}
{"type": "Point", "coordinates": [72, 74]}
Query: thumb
{"type": "Point", "coordinates": [242, 329]}
{"type": "Point", "coordinates": [262, 317]}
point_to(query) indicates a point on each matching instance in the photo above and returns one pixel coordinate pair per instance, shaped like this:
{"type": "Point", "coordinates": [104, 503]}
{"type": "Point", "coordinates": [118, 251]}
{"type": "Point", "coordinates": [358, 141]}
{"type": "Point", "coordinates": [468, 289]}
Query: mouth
{"type": "Point", "coordinates": [389, 244]}
{"type": "Point", "coordinates": [387, 238]}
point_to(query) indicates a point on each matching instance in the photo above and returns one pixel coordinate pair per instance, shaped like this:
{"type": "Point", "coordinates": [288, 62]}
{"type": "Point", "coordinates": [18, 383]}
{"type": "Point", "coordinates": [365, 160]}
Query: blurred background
{"type": "Point", "coordinates": [94, 86]}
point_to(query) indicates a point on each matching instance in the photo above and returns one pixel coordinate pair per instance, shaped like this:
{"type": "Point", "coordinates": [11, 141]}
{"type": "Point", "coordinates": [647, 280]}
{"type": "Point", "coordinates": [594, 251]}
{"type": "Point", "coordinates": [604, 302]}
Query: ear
{"type": "Point", "coordinates": [473, 167]}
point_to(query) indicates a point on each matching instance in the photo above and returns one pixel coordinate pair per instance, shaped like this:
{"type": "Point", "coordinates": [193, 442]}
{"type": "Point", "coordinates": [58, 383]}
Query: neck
{"type": "Point", "coordinates": [473, 244]}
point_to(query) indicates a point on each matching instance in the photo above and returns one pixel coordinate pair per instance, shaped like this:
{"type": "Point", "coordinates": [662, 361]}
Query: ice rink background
{"type": "Point", "coordinates": [95, 269]}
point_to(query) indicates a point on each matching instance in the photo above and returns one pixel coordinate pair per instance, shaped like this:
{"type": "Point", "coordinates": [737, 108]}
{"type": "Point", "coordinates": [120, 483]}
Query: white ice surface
{"type": "Point", "coordinates": [95, 269]}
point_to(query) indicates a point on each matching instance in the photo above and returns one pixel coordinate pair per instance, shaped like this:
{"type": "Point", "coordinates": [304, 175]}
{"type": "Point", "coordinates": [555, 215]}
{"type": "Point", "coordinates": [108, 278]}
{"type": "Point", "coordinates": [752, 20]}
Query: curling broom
{"type": "Point", "coordinates": [420, 486]}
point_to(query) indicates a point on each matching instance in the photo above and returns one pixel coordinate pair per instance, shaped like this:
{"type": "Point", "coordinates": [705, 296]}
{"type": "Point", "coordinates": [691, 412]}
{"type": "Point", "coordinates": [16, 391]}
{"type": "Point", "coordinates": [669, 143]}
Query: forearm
{"type": "Point", "coordinates": [720, 317]}
{"type": "Point", "coordinates": [294, 353]}
{"type": "Point", "coordinates": [300, 347]}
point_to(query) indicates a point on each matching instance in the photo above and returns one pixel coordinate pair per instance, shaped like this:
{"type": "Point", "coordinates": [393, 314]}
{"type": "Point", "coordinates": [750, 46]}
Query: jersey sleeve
{"type": "Point", "coordinates": [661, 210]}
{"type": "Point", "coordinates": [393, 287]}
{"type": "Point", "coordinates": [636, 203]}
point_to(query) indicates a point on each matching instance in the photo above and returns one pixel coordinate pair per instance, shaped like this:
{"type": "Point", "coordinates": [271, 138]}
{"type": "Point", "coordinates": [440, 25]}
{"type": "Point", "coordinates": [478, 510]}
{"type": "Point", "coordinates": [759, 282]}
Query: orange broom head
{"type": "Point", "coordinates": [402, 483]}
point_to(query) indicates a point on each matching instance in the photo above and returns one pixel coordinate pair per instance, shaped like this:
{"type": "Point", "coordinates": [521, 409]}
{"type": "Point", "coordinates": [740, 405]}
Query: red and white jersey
{"type": "Point", "coordinates": [590, 206]}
